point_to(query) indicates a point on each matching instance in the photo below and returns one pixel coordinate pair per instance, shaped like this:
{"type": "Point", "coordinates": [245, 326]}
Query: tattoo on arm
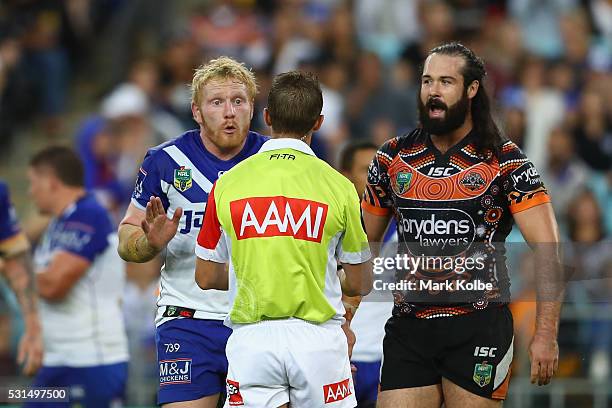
{"type": "Point", "coordinates": [550, 287]}
{"type": "Point", "coordinates": [20, 276]}
{"type": "Point", "coordinates": [133, 245]}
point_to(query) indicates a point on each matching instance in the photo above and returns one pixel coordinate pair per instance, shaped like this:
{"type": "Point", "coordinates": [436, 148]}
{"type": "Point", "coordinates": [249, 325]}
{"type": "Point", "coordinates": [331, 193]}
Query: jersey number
{"type": "Point", "coordinates": [193, 219]}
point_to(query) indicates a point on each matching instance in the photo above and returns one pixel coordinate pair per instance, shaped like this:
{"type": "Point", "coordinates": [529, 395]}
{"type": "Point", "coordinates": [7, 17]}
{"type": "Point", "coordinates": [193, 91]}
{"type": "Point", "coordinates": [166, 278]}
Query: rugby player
{"type": "Point", "coordinates": [175, 179]}
{"type": "Point", "coordinates": [368, 324]}
{"type": "Point", "coordinates": [15, 265]}
{"type": "Point", "coordinates": [80, 281]}
{"type": "Point", "coordinates": [455, 187]}
{"type": "Point", "coordinates": [280, 219]}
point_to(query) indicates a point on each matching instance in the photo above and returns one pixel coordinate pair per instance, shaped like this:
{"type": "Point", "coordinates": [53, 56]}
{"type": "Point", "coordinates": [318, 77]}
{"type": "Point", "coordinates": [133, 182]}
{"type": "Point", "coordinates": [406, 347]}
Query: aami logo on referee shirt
{"type": "Point", "coordinates": [258, 217]}
{"type": "Point", "coordinates": [233, 393]}
{"type": "Point", "coordinates": [336, 391]}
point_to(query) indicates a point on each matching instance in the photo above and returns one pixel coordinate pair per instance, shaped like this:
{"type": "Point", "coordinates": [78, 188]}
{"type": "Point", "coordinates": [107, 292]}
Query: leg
{"type": "Point", "coordinates": [256, 376]}
{"type": "Point", "coordinates": [50, 377]}
{"type": "Point", "coordinates": [192, 363]}
{"type": "Point", "coordinates": [457, 397]}
{"type": "Point", "coordinates": [417, 397]}
{"type": "Point", "coordinates": [205, 402]}
{"type": "Point", "coordinates": [366, 381]}
{"type": "Point", "coordinates": [409, 377]}
{"type": "Point", "coordinates": [478, 359]}
{"type": "Point", "coordinates": [113, 376]}
{"type": "Point", "coordinates": [318, 366]}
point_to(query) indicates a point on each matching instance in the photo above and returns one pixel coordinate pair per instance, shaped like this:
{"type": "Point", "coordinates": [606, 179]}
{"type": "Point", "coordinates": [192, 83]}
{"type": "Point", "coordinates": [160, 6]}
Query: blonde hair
{"type": "Point", "coordinates": [222, 68]}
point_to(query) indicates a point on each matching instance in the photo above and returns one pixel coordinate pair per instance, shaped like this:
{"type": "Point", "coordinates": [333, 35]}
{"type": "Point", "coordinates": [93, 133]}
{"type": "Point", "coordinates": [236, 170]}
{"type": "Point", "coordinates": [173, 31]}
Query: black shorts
{"type": "Point", "coordinates": [473, 350]}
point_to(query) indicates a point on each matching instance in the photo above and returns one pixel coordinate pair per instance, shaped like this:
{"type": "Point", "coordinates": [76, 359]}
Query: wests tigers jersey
{"type": "Point", "coordinates": [453, 211]}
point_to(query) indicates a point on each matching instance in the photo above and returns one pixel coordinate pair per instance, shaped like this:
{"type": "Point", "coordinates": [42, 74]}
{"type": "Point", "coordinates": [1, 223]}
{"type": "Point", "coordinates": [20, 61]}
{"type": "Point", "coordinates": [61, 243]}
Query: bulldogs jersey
{"type": "Point", "coordinates": [85, 328]}
{"type": "Point", "coordinates": [181, 172]}
{"type": "Point", "coordinates": [453, 213]}
{"type": "Point", "coordinates": [9, 227]}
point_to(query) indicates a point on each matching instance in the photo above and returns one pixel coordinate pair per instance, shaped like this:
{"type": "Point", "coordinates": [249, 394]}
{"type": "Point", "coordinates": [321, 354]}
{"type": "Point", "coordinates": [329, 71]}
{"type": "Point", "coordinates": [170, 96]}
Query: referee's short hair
{"type": "Point", "coordinates": [295, 102]}
{"type": "Point", "coordinates": [347, 156]}
{"type": "Point", "coordinates": [63, 162]}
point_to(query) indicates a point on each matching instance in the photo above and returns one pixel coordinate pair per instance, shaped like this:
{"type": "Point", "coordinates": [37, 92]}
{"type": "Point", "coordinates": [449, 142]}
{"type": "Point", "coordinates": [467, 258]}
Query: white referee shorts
{"type": "Point", "coordinates": [275, 362]}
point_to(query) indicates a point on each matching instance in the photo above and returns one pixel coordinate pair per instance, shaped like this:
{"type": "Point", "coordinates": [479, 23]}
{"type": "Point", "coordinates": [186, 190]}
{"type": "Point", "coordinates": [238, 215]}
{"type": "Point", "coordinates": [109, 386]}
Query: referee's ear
{"type": "Point", "coordinates": [318, 123]}
{"type": "Point", "coordinates": [267, 118]}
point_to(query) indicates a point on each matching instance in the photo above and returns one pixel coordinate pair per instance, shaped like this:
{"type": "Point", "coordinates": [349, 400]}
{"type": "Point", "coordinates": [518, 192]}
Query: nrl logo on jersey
{"type": "Point", "coordinates": [482, 374]}
{"type": "Point", "coordinates": [182, 179]}
{"type": "Point", "coordinates": [402, 181]}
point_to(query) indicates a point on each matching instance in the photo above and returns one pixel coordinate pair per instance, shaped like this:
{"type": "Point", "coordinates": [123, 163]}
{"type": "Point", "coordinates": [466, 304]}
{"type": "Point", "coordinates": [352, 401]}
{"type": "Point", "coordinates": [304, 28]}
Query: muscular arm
{"type": "Point", "coordinates": [133, 243]}
{"type": "Point", "coordinates": [211, 275]}
{"type": "Point", "coordinates": [55, 281]}
{"type": "Point", "coordinates": [375, 226]}
{"type": "Point", "coordinates": [539, 228]}
{"type": "Point", "coordinates": [143, 234]}
{"type": "Point", "coordinates": [356, 279]}
{"type": "Point", "coordinates": [18, 271]}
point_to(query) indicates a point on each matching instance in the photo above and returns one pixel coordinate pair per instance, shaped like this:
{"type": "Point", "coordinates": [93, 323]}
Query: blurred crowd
{"type": "Point", "coordinates": [549, 72]}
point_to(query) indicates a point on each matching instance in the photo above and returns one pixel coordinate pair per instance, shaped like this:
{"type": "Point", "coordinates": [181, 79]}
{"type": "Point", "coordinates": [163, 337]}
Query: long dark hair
{"type": "Point", "coordinates": [489, 135]}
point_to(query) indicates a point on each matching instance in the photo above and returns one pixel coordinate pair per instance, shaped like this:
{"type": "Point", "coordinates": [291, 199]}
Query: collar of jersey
{"type": "Point", "coordinates": [286, 143]}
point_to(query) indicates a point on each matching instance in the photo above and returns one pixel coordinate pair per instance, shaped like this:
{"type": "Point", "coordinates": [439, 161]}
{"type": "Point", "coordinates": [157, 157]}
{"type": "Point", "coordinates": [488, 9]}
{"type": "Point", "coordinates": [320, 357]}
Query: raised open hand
{"type": "Point", "coordinates": [158, 228]}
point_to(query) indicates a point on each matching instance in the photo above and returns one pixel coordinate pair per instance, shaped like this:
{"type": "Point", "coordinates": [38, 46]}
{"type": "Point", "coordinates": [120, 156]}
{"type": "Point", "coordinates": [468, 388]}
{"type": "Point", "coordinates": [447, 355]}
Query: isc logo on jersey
{"type": "Point", "coordinates": [258, 217]}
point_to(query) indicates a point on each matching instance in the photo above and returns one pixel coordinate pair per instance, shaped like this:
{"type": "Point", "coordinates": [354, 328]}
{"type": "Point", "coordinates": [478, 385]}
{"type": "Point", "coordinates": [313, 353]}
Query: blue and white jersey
{"type": "Point", "coordinates": [181, 172]}
{"type": "Point", "coordinates": [369, 321]}
{"type": "Point", "coordinates": [9, 227]}
{"type": "Point", "coordinates": [86, 327]}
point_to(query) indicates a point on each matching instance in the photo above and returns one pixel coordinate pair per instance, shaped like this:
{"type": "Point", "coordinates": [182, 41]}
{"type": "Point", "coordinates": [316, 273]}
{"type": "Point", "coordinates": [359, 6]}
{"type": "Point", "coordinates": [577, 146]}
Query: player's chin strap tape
{"type": "Point", "coordinates": [177, 311]}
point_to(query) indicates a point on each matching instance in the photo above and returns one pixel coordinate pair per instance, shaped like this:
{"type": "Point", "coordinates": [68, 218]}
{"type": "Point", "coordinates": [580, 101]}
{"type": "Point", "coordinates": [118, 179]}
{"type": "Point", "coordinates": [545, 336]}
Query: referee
{"type": "Point", "coordinates": [280, 219]}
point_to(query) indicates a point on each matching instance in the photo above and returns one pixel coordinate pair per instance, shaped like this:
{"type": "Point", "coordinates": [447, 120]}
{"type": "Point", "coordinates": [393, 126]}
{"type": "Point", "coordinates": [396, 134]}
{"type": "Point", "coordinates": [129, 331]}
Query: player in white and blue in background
{"type": "Point", "coordinates": [175, 179]}
{"type": "Point", "coordinates": [368, 324]}
{"type": "Point", "coordinates": [16, 268]}
{"type": "Point", "coordinates": [80, 281]}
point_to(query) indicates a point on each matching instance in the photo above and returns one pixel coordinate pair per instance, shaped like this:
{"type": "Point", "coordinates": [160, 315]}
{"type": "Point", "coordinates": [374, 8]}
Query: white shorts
{"type": "Point", "coordinates": [275, 362]}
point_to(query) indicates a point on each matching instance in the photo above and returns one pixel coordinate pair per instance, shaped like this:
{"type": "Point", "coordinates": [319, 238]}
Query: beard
{"type": "Point", "coordinates": [454, 115]}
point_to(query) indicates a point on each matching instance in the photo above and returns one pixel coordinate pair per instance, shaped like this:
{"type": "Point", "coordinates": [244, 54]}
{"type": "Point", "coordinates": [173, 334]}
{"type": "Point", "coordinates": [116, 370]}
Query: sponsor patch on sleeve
{"type": "Point", "coordinates": [337, 391]}
{"type": "Point", "coordinates": [233, 393]}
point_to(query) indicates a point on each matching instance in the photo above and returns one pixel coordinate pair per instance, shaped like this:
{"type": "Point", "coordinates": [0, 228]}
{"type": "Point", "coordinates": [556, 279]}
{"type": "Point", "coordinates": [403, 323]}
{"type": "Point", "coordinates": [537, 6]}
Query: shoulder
{"type": "Point", "coordinates": [337, 180]}
{"type": "Point", "coordinates": [253, 144]}
{"type": "Point", "coordinates": [238, 170]}
{"type": "Point", "coordinates": [258, 139]}
{"type": "Point", "coordinates": [182, 142]}
{"type": "Point", "coordinates": [508, 152]}
{"type": "Point", "coordinates": [406, 141]}
{"type": "Point", "coordinates": [512, 158]}
{"type": "Point", "coordinates": [392, 147]}
{"type": "Point", "coordinates": [4, 192]}
{"type": "Point", "coordinates": [508, 147]}
{"type": "Point", "coordinates": [89, 212]}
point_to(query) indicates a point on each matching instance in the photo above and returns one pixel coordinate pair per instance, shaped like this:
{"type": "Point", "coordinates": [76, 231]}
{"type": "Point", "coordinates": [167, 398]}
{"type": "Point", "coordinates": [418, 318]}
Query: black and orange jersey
{"type": "Point", "coordinates": [454, 212]}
